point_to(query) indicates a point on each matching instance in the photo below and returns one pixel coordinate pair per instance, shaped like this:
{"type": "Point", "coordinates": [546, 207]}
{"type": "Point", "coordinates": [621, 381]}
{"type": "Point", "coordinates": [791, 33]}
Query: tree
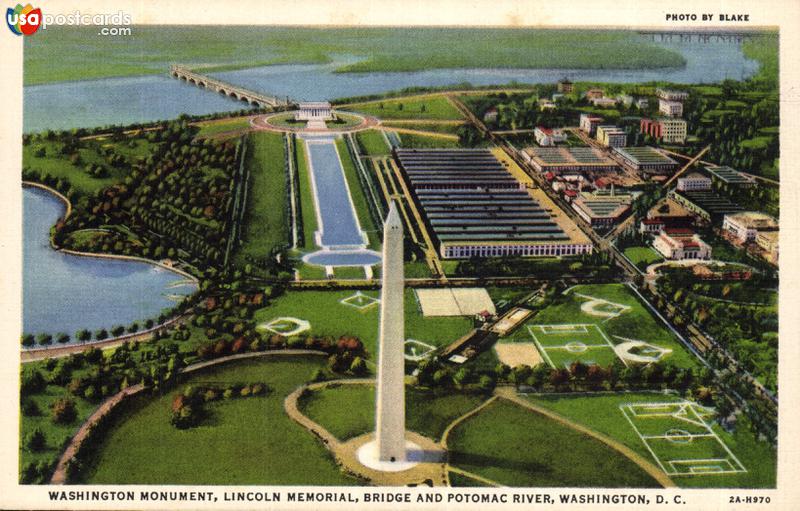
{"type": "Point", "coordinates": [62, 338]}
{"type": "Point", "coordinates": [486, 383]}
{"type": "Point", "coordinates": [35, 440]}
{"type": "Point", "coordinates": [28, 340]}
{"type": "Point", "coordinates": [83, 335]}
{"type": "Point", "coordinates": [358, 366]}
{"type": "Point", "coordinates": [44, 339]}
{"type": "Point", "coordinates": [63, 411]}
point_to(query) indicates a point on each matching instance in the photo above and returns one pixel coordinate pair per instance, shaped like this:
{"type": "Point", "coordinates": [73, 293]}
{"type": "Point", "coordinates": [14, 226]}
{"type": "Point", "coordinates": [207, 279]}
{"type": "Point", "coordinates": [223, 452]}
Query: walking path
{"type": "Point", "coordinates": [432, 469]}
{"type": "Point", "coordinates": [60, 474]}
{"type": "Point", "coordinates": [510, 394]}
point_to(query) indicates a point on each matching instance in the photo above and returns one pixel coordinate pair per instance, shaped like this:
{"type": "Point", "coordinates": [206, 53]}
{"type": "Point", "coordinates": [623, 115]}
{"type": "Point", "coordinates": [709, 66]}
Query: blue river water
{"type": "Point", "coordinates": [339, 225]}
{"type": "Point", "coordinates": [65, 293]}
{"type": "Point", "coordinates": [148, 98]}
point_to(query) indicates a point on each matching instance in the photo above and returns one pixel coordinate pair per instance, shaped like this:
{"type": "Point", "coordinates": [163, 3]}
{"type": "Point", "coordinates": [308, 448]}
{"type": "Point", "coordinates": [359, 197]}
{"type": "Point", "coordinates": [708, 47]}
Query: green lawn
{"type": "Point", "coordinates": [642, 257]}
{"type": "Point", "coordinates": [266, 223]}
{"type": "Point", "coordinates": [307, 208]}
{"type": "Point", "coordinates": [414, 141]}
{"type": "Point", "coordinates": [330, 317]}
{"type": "Point", "coordinates": [429, 107]}
{"type": "Point", "coordinates": [602, 413]}
{"type": "Point", "coordinates": [448, 128]}
{"type": "Point", "coordinates": [343, 120]}
{"type": "Point", "coordinates": [244, 441]}
{"type": "Point", "coordinates": [517, 447]}
{"type": "Point", "coordinates": [60, 166]}
{"type": "Point", "coordinates": [56, 435]}
{"type": "Point", "coordinates": [372, 143]}
{"type": "Point", "coordinates": [349, 410]}
{"type": "Point", "coordinates": [637, 323]}
{"type": "Point", "coordinates": [221, 126]}
{"type": "Point", "coordinates": [349, 272]}
{"type": "Point", "coordinates": [358, 195]}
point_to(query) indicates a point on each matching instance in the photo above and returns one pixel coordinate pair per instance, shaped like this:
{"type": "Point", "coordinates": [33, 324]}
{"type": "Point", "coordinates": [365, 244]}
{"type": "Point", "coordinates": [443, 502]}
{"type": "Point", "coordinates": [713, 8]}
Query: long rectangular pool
{"type": "Point", "coordinates": [336, 215]}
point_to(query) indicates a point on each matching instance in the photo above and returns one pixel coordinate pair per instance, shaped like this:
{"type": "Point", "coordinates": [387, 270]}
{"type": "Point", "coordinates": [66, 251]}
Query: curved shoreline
{"type": "Point", "coordinates": [60, 351]}
{"type": "Point", "coordinates": [53, 191]}
{"type": "Point", "coordinates": [101, 255]}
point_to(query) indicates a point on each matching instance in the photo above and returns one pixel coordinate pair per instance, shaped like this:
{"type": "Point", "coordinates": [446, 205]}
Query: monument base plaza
{"type": "Point", "coordinates": [426, 461]}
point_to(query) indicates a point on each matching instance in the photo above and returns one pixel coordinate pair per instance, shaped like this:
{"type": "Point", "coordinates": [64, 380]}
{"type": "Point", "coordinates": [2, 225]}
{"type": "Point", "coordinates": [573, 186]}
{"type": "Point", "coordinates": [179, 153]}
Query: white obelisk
{"type": "Point", "coordinates": [390, 402]}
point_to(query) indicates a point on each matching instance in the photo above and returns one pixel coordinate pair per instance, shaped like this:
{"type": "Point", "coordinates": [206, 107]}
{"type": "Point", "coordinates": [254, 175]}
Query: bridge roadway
{"type": "Point", "coordinates": [227, 89]}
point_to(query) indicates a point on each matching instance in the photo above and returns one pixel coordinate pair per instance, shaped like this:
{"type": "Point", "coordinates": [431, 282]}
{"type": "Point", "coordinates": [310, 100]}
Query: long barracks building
{"type": "Point", "coordinates": [475, 207]}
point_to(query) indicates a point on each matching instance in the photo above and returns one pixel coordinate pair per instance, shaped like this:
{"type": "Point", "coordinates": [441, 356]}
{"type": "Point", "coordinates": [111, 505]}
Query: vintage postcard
{"type": "Point", "coordinates": [356, 255]}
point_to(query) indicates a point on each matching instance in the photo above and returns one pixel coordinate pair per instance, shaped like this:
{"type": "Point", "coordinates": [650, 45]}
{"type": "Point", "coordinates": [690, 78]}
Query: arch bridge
{"type": "Point", "coordinates": [227, 89]}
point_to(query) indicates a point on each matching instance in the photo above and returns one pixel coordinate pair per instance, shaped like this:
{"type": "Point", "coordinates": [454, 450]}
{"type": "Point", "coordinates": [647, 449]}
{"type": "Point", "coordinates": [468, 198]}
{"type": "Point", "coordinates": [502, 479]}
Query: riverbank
{"type": "Point", "coordinates": [68, 205]}
{"type": "Point", "coordinates": [58, 54]}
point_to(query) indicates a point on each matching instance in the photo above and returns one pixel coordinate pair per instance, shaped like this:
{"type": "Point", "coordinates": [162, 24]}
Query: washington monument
{"type": "Point", "coordinates": [390, 403]}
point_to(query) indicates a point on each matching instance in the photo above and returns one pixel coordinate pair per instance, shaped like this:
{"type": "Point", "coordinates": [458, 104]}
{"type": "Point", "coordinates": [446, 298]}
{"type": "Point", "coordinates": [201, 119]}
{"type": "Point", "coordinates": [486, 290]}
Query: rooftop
{"type": "Point", "coordinates": [755, 220]}
{"type": "Point", "coordinates": [568, 156]}
{"type": "Point", "coordinates": [729, 175]}
{"type": "Point", "coordinates": [711, 202]}
{"type": "Point", "coordinates": [644, 155]}
{"type": "Point", "coordinates": [477, 212]}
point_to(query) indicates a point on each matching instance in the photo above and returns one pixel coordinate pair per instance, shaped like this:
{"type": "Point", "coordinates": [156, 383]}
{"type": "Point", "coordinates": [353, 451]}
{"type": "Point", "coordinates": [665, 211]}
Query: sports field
{"type": "Point", "coordinates": [679, 438]}
{"type": "Point", "coordinates": [518, 447]}
{"type": "Point", "coordinates": [608, 413]}
{"type": "Point", "coordinates": [561, 345]}
{"type": "Point", "coordinates": [599, 323]}
{"type": "Point", "coordinates": [356, 313]}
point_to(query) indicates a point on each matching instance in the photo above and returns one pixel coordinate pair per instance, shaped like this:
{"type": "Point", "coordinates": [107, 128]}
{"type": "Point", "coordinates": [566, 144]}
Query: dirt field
{"type": "Point", "coordinates": [518, 353]}
{"type": "Point", "coordinates": [454, 302]}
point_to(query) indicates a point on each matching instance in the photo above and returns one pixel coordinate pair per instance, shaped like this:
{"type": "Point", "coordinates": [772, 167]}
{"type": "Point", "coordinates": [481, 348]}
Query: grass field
{"type": "Point", "coordinates": [358, 195]}
{"type": "Point", "coordinates": [330, 317]}
{"type": "Point", "coordinates": [244, 441]}
{"type": "Point", "coordinates": [266, 223]}
{"type": "Point", "coordinates": [426, 413]}
{"type": "Point", "coordinates": [215, 127]}
{"type": "Point", "coordinates": [642, 257]}
{"type": "Point", "coordinates": [60, 166]}
{"type": "Point", "coordinates": [349, 272]}
{"type": "Point", "coordinates": [307, 211]}
{"type": "Point", "coordinates": [414, 141]}
{"type": "Point", "coordinates": [589, 346]}
{"type": "Point", "coordinates": [56, 435]}
{"type": "Point", "coordinates": [629, 320]}
{"type": "Point", "coordinates": [517, 447]}
{"type": "Point", "coordinates": [372, 143]}
{"type": "Point", "coordinates": [62, 53]}
{"type": "Point", "coordinates": [438, 127]}
{"type": "Point", "coordinates": [602, 413]}
{"type": "Point", "coordinates": [426, 107]}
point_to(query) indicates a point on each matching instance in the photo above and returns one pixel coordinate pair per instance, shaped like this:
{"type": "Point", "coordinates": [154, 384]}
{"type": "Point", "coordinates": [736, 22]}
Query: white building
{"type": "Point", "coordinates": [670, 108]}
{"type": "Point", "coordinates": [314, 111]}
{"type": "Point", "coordinates": [549, 136]}
{"type": "Point", "coordinates": [672, 95]}
{"type": "Point", "coordinates": [679, 244]}
{"type": "Point", "coordinates": [694, 182]}
{"type": "Point", "coordinates": [589, 123]}
{"type": "Point", "coordinates": [641, 103]}
{"type": "Point", "coordinates": [546, 104]}
{"type": "Point", "coordinates": [745, 227]}
{"type": "Point", "coordinates": [603, 102]}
